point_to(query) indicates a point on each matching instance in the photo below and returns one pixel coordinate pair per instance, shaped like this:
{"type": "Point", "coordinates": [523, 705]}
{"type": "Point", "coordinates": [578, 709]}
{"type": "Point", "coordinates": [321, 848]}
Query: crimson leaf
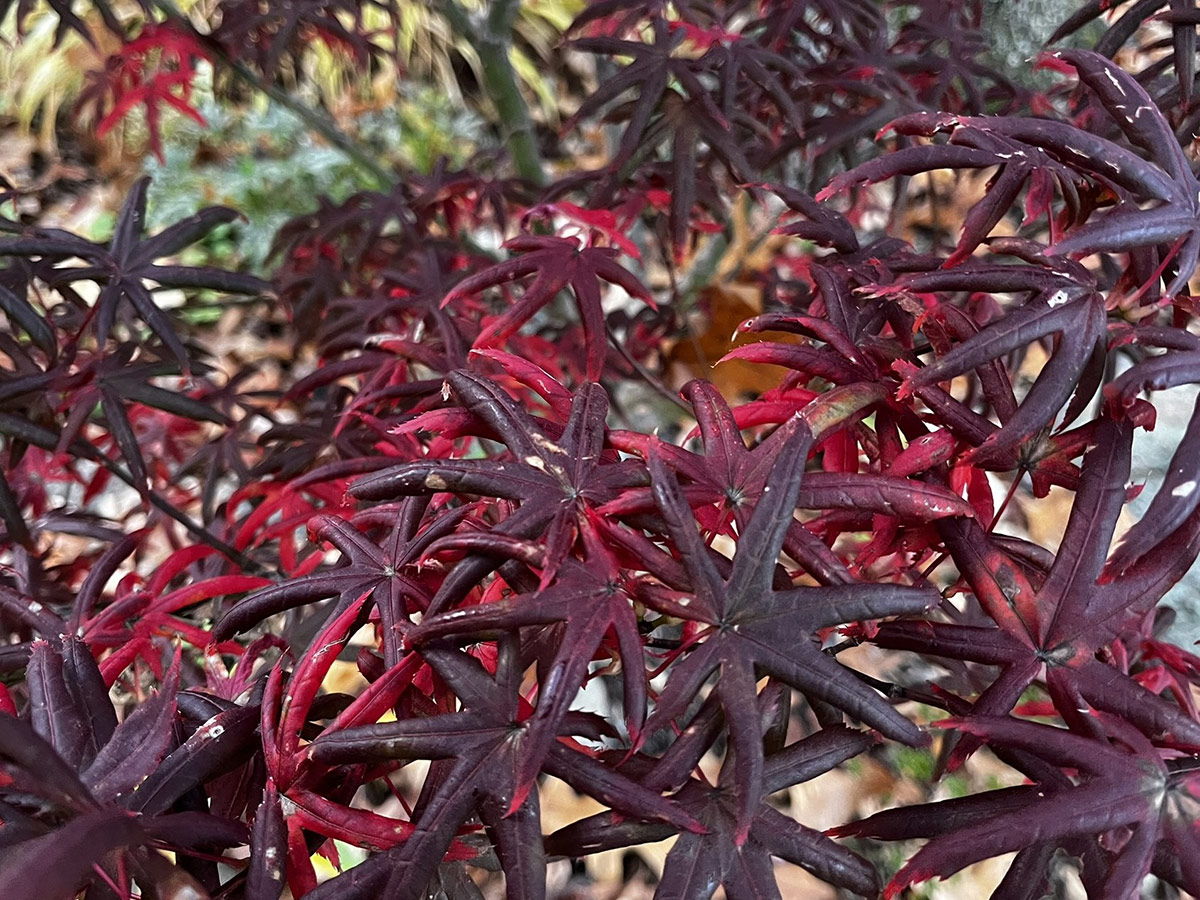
{"type": "Point", "coordinates": [555, 263]}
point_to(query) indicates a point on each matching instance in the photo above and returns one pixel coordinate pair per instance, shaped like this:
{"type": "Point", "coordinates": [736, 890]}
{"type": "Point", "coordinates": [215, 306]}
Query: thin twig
{"type": "Point", "coordinates": [649, 377]}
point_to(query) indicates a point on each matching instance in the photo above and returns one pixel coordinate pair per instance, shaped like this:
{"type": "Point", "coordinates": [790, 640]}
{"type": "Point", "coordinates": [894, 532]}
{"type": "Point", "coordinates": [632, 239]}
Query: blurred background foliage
{"type": "Point", "coordinates": [418, 102]}
{"type": "Point", "coordinates": [261, 160]}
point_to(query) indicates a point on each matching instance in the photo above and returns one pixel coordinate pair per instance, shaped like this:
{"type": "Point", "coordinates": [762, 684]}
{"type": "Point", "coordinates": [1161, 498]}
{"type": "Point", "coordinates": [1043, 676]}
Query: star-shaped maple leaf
{"type": "Point", "coordinates": [1057, 622]}
{"type": "Point", "coordinates": [1120, 790]}
{"type": "Point", "coordinates": [384, 572]}
{"type": "Point", "coordinates": [555, 263]}
{"type": "Point", "coordinates": [588, 599]}
{"type": "Point", "coordinates": [552, 477]}
{"type": "Point", "coordinates": [125, 269]}
{"type": "Point", "coordinates": [721, 855]}
{"type": "Point", "coordinates": [732, 476]}
{"type": "Point", "coordinates": [755, 628]}
{"type": "Point", "coordinates": [479, 752]}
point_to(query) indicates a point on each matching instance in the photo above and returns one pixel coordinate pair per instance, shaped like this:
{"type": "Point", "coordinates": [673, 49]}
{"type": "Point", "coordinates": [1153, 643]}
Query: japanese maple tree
{"type": "Point", "coordinates": [331, 627]}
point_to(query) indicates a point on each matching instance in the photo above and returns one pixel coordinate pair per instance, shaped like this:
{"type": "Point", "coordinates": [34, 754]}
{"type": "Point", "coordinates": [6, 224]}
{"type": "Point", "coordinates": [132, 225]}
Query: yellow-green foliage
{"type": "Point", "coordinates": [423, 51]}
{"type": "Point", "coordinates": [39, 82]}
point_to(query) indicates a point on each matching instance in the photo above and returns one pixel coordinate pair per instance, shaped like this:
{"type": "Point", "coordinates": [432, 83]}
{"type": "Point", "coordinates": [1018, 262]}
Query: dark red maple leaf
{"type": "Point", "coordinates": [1058, 622]}
{"type": "Point", "coordinates": [478, 753]}
{"type": "Point", "coordinates": [1119, 789]}
{"type": "Point", "coordinates": [754, 627]}
{"type": "Point", "coordinates": [126, 268]}
{"type": "Point", "coordinates": [553, 476]}
{"type": "Point", "coordinates": [725, 854]}
{"type": "Point", "coordinates": [1157, 194]}
{"type": "Point", "coordinates": [1060, 307]}
{"type": "Point", "coordinates": [383, 571]}
{"type": "Point", "coordinates": [588, 599]}
{"type": "Point", "coordinates": [1126, 23]}
{"type": "Point", "coordinates": [104, 788]}
{"type": "Point", "coordinates": [732, 477]}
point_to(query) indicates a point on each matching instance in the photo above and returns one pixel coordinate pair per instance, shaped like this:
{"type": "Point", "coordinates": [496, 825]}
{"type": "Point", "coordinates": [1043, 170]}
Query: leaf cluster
{"type": "Point", "coordinates": [373, 605]}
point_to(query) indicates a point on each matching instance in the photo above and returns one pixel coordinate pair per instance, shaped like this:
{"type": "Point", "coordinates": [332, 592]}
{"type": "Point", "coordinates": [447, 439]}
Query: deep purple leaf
{"type": "Point", "coordinates": [1099, 499]}
{"type": "Point", "coordinates": [54, 711]}
{"type": "Point", "coordinates": [268, 849]}
{"type": "Point", "coordinates": [28, 751]}
{"type": "Point", "coordinates": [811, 850]}
{"type": "Point", "coordinates": [137, 746]}
{"type": "Point", "coordinates": [91, 693]}
{"type": "Point", "coordinates": [217, 746]}
{"type": "Point", "coordinates": [1131, 108]}
{"type": "Point", "coordinates": [1176, 499]}
{"type": "Point", "coordinates": [1079, 325]}
{"type": "Point", "coordinates": [57, 865]}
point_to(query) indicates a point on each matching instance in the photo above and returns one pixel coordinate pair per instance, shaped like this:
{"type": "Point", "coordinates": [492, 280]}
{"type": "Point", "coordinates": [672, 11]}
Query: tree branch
{"type": "Point", "coordinates": [493, 42]}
